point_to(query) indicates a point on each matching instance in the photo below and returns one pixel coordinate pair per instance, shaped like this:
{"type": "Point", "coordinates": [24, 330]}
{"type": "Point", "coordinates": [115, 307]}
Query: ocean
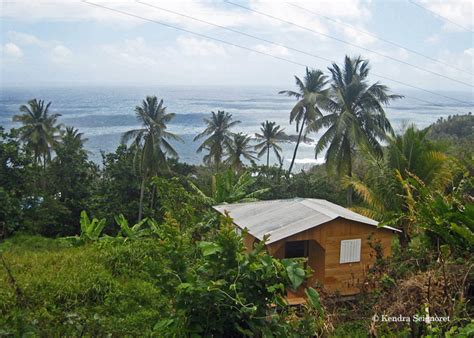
{"type": "Point", "coordinates": [104, 113]}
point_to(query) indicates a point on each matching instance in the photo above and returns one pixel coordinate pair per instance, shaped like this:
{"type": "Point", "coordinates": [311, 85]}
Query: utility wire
{"type": "Point", "coordinates": [235, 31]}
{"type": "Point", "coordinates": [282, 45]}
{"type": "Point", "coordinates": [348, 43]}
{"type": "Point", "coordinates": [260, 52]}
{"type": "Point", "coordinates": [440, 16]}
{"type": "Point", "coordinates": [191, 32]}
{"type": "Point", "coordinates": [378, 37]}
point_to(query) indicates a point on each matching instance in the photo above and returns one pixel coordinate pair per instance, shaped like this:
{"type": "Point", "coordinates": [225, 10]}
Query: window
{"type": "Point", "coordinates": [350, 251]}
{"type": "Point", "coordinates": [296, 249]}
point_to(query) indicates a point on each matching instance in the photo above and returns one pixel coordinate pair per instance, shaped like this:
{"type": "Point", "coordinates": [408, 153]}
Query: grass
{"type": "Point", "coordinates": [94, 289]}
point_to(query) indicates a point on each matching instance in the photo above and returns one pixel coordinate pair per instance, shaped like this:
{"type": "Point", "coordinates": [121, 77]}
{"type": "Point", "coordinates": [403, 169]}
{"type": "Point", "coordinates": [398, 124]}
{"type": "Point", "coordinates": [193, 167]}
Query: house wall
{"type": "Point", "coordinates": [249, 241]}
{"type": "Point", "coordinates": [324, 253]}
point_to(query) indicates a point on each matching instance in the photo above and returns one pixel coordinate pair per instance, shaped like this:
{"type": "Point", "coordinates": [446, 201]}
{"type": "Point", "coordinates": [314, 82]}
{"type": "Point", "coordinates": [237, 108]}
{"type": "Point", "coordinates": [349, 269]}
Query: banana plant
{"type": "Point", "coordinates": [91, 229]}
{"type": "Point", "coordinates": [130, 232]}
{"type": "Point", "coordinates": [228, 187]}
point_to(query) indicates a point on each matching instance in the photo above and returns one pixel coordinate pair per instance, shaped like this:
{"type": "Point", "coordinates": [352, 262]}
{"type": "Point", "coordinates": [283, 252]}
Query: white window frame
{"type": "Point", "coordinates": [350, 251]}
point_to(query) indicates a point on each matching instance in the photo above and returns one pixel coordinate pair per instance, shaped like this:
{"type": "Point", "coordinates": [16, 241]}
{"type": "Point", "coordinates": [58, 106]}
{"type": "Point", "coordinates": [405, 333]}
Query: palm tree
{"type": "Point", "coordinates": [151, 141]}
{"type": "Point", "coordinates": [356, 120]}
{"type": "Point", "coordinates": [311, 91]}
{"type": "Point", "coordinates": [237, 148]}
{"type": "Point", "coordinates": [271, 134]}
{"type": "Point", "coordinates": [218, 130]}
{"type": "Point", "coordinates": [73, 137]}
{"type": "Point", "coordinates": [40, 130]}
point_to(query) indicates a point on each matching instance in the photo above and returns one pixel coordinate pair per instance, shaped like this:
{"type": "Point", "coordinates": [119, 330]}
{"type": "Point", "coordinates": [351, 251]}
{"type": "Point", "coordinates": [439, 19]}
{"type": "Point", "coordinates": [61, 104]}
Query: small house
{"type": "Point", "coordinates": [335, 240]}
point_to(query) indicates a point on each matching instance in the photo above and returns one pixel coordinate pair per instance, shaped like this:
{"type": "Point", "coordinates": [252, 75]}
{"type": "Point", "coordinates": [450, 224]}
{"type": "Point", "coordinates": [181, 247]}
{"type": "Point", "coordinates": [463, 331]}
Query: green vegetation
{"type": "Point", "coordinates": [220, 136]}
{"type": "Point", "coordinates": [133, 247]}
{"type": "Point", "coordinates": [151, 141]}
{"type": "Point", "coordinates": [311, 93]}
{"type": "Point", "coordinates": [271, 134]}
{"type": "Point", "coordinates": [239, 148]}
{"type": "Point", "coordinates": [356, 118]}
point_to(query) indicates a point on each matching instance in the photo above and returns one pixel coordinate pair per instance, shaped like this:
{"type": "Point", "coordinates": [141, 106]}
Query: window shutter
{"type": "Point", "coordinates": [350, 251]}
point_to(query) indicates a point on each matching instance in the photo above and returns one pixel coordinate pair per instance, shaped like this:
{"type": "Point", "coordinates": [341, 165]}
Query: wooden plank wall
{"type": "Point", "coordinates": [344, 278]}
{"type": "Point", "coordinates": [324, 251]}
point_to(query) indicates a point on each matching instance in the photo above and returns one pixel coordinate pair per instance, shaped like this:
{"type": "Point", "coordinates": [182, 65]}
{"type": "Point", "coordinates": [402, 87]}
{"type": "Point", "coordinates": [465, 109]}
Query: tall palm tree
{"type": "Point", "coordinates": [271, 135]}
{"type": "Point", "coordinates": [311, 91]}
{"type": "Point", "coordinates": [40, 131]}
{"type": "Point", "coordinates": [356, 119]}
{"type": "Point", "coordinates": [218, 130]}
{"type": "Point", "coordinates": [151, 141]}
{"type": "Point", "coordinates": [239, 147]}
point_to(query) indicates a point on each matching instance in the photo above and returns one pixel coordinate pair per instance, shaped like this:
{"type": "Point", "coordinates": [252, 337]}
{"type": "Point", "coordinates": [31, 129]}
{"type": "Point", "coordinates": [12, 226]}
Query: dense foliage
{"type": "Point", "coordinates": [138, 250]}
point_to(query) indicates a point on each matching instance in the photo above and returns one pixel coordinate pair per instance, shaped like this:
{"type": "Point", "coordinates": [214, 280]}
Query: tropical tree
{"type": "Point", "coordinates": [151, 141]}
{"type": "Point", "coordinates": [230, 187]}
{"type": "Point", "coordinates": [386, 187]}
{"type": "Point", "coordinates": [40, 131]}
{"type": "Point", "coordinates": [73, 138]}
{"type": "Point", "coordinates": [356, 120]}
{"type": "Point", "coordinates": [220, 136]}
{"type": "Point", "coordinates": [270, 135]}
{"type": "Point", "coordinates": [310, 93]}
{"type": "Point", "coordinates": [239, 148]}
{"type": "Point", "coordinates": [72, 177]}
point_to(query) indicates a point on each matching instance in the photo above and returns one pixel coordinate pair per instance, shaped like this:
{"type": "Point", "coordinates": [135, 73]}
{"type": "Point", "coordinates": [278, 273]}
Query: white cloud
{"type": "Point", "coordinates": [357, 37]}
{"type": "Point", "coordinates": [60, 54]}
{"type": "Point", "coordinates": [57, 52]}
{"type": "Point", "coordinates": [462, 60]}
{"type": "Point", "coordinates": [26, 39]}
{"type": "Point", "coordinates": [432, 39]}
{"type": "Point", "coordinates": [273, 49]}
{"type": "Point", "coordinates": [76, 10]}
{"type": "Point", "coordinates": [461, 12]}
{"type": "Point", "coordinates": [132, 52]}
{"type": "Point", "coordinates": [469, 52]}
{"type": "Point", "coordinates": [199, 47]}
{"type": "Point", "coordinates": [10, 50]}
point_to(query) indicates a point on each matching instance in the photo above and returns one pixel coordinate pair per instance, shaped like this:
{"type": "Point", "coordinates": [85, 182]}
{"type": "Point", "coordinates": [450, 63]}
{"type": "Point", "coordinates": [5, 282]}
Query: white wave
{"type": "Point", "coordinates": [308, 160]}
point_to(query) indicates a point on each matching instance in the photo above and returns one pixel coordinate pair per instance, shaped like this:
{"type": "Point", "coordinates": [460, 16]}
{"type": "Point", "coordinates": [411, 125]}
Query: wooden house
{"type": "Point", "coordinates": [334, 240]}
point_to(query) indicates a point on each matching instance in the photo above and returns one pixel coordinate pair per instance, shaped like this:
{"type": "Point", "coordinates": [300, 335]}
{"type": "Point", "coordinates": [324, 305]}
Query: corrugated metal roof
{"type": "Point", "coordinates": [284, 218]}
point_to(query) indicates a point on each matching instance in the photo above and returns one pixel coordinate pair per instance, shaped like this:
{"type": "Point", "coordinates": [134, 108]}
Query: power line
{"type": "Point", "coordinates": [349, 43]}
{"type": "Point", "coordinates": [191, 32]}
{"type": "Point", "coordinates": [280, 45]}
{"type": "Point", "coordinates": [257, 51]}
{"type": "Point", "coordinates": [235, 31]}
{"type": "Point", "coordinates": [378, 37]}
{"type": "Point", "coordinates": [440, 16]}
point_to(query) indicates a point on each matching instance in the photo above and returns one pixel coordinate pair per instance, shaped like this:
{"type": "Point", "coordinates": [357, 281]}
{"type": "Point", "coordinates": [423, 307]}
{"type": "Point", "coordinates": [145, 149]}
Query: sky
{"type": "Point", "coordinates": [71, 42]}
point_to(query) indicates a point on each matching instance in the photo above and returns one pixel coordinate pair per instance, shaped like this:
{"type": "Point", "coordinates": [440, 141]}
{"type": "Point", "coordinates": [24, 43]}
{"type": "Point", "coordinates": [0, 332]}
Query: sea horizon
{"type": "Point", "coordinates": [103, 112]}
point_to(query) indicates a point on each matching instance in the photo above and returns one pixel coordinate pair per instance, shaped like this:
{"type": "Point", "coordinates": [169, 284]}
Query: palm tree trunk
{"type": "Point", "coordinates": [43, 174]}
{"type": "Point", "coordinates": [297, 145]}
{"type": "Point", "coordinates": [268, 155]}
{"type": "Point", "coordinates": [349, 189]}
{"type": "Point", "coordinates": [142, 192]}
{"type": "Point", "coordinates": [152, 199]}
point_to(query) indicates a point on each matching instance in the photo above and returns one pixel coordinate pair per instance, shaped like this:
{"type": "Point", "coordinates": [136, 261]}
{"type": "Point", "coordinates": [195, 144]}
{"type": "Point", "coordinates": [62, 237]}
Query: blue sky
{"type": "Point", "coordinates": [69, 42]}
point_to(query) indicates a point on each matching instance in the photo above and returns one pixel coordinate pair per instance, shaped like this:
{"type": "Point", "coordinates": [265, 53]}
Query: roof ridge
{"type": "Point", "coordinates": [260, 201]}
{"type": "Point", "coordinates": [319, 208]}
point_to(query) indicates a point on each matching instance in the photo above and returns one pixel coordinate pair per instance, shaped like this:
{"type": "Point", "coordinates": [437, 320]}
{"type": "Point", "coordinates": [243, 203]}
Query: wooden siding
{"type": "Point", "coordinates": [324, 252]}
